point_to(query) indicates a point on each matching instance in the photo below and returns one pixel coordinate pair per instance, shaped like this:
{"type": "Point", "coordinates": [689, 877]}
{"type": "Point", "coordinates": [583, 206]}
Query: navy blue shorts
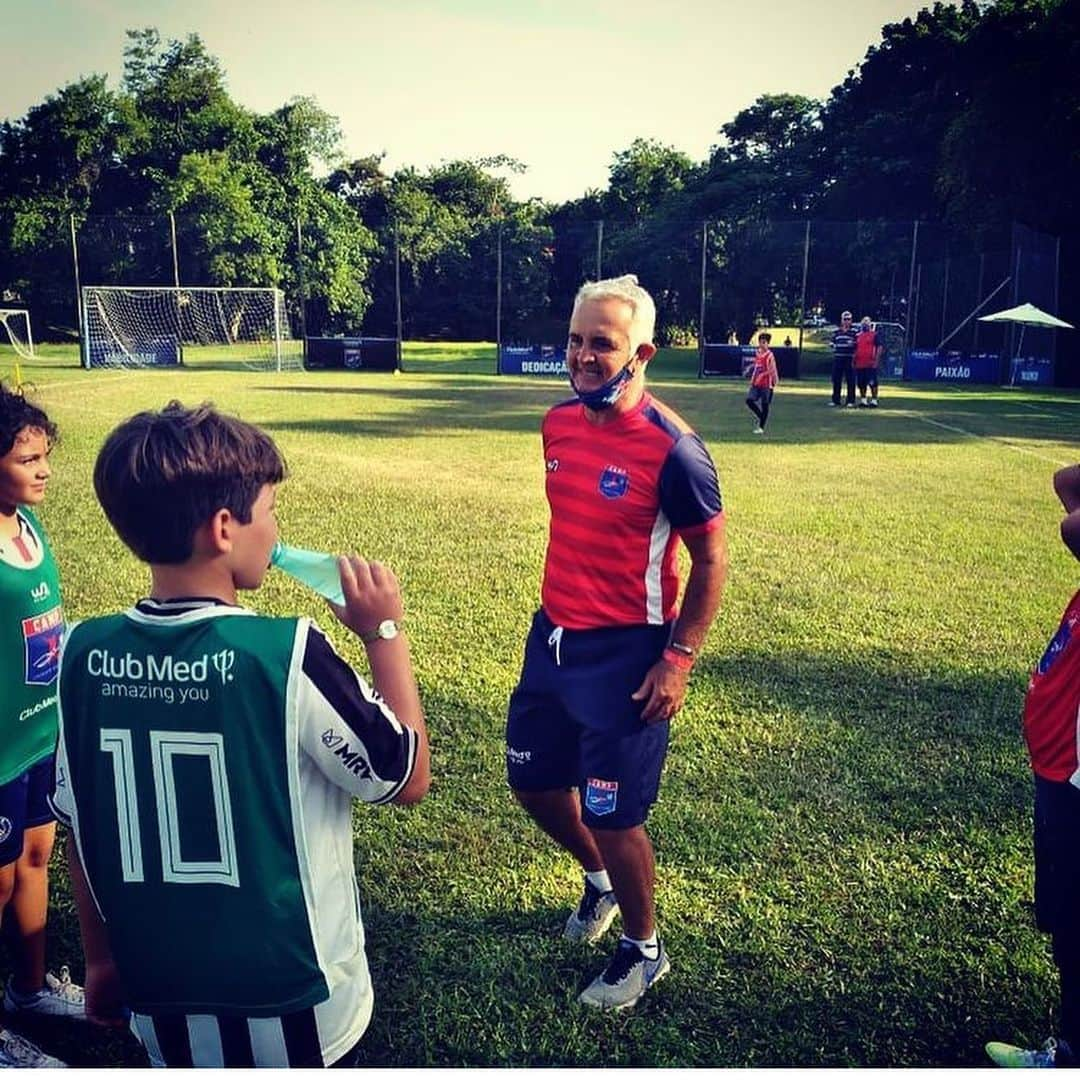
{"type": "Point", "coordinates": [24, 804]}
{"type": "Point", "coordinates": [572, 722]}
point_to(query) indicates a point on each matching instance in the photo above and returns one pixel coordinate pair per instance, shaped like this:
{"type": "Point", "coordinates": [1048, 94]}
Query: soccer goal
{"type": "Point", "coordinates": [16, 322]}
{"type": "Point", "coordinates": [148, 326]}
{"type": "Point", "coordinates": [892, 337]}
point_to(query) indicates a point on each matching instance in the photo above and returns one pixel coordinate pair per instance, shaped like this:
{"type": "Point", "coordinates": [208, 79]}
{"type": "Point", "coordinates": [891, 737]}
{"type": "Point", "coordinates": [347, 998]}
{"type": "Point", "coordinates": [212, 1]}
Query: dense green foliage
{"type": "Point", "coordinates": [967, 115]}
{"type": "Point", "coordinates": [843, 834]}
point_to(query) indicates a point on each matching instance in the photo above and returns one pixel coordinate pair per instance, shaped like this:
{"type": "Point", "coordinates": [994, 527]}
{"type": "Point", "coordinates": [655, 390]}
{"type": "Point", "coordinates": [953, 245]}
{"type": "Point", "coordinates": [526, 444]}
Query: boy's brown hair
{"type": "Point", "coordinates": [17, 414]}
{"type": "Point", "coordinates": [764, 336]}
{"type": "Point", "coordinates": [161, 475]}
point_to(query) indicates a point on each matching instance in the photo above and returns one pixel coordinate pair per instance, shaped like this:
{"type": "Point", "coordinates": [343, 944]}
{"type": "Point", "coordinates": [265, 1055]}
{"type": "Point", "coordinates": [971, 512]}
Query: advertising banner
{"type": "Point", "coordinates": [155, 352]}
{"type": "Point", "coordinates": [351, 353]}
{"type": "Point", "coordinates": [532, 360]}
{"type": "Point", "coordinates": [932, 365]}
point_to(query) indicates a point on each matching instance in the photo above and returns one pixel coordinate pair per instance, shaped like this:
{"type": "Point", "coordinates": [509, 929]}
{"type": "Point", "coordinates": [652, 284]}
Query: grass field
{"type": "Point", "coordinates": [844, 865]}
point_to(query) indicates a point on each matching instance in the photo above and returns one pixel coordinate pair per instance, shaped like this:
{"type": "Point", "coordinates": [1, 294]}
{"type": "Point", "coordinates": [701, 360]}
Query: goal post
{"type": "Point", "coordinates": [151, 326]}
{"type": "Point", "coordinates": [16, 324]}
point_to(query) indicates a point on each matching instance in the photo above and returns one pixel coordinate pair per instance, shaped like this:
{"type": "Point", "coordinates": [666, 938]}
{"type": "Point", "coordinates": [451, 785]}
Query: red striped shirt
{"type": "Point", "coordinates": [1052, 706]}
{"type": "Point", "coordinates": [621, 494]}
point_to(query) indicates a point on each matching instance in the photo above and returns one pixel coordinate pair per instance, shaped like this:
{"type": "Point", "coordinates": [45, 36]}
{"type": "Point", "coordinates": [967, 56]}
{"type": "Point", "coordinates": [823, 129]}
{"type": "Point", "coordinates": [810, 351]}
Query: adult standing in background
{"type": "Point", "coordinates": [609, 654]}
{"type": "Point", "coordinates": [843, 347]}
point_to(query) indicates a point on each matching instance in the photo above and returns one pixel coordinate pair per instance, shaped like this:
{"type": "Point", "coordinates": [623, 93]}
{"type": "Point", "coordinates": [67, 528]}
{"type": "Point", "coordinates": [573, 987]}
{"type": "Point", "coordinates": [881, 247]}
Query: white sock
{"type": "Point", "coordinates": [599, 879]}
{"type": "Point", "coordinates": [649, 947]}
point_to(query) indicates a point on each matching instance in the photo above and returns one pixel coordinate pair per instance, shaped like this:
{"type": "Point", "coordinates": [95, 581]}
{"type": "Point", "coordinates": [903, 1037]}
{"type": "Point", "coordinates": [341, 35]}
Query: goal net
{"type": "Point", "coordinates": [16, 323]}
{"type": "Point", "coordinates": [891, 335]}
{"type": "Point", "coordinates": [148, 326]}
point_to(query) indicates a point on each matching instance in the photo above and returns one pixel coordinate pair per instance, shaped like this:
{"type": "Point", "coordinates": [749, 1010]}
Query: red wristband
{"type": "Point", "coordinates": [678, 659]}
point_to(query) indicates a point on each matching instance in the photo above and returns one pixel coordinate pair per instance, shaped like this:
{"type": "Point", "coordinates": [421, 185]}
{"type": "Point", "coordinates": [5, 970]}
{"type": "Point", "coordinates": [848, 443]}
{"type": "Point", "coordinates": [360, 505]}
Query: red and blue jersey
{"type": "Point", "coordinates": [763, 373]}
{"type": "Point", "coordinates": [1052, 706]}
{"type": "Point", "coordinates": [621, 494]}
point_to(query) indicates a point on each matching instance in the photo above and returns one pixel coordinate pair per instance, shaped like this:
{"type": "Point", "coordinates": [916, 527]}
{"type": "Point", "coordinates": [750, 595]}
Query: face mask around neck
{"type": "Point", "coordinates": [603, 397]}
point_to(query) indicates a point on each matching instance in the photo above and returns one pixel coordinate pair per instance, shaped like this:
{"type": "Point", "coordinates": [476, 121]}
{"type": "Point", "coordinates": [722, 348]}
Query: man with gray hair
{"type": "Point", "coordinates": [609, 652]}
{"type": "Point", "coordinates": [843, 347]}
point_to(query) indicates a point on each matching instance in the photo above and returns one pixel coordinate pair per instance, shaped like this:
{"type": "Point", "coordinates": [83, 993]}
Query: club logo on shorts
{"type": "Point", "coordinates": [614, 482]}
{"type": "Point", "coordinates": [5, 828]}
{"type": "Point", "coordinates": [41, 637]}
{"type": "Point", "coordinates": [601, 796]}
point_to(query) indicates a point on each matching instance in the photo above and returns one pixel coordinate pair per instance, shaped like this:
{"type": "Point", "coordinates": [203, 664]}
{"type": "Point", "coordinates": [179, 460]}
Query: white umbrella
{"type": "Point", "coordinates": [1025, 315]}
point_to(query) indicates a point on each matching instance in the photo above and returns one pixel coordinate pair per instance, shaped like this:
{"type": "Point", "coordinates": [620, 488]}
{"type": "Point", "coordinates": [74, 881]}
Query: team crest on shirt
{"type": "Point", "coordinates": [1057, 645]}
{"type": "Point", "coordinates": [614, 482]}
{"type": "Point", "coordinates": [601, 796]}
{"type": "Point", "coordinates": [41, 638]}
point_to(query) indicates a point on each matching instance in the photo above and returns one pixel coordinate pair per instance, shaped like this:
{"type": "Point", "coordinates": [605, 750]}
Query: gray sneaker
{"type": "Point", "coordinates": [626, 978]}
{"type": "Point", "coordinates": [593, 916]}
{"type": "Point", "coordinates": [59, 997]}
{"type": "Point", "coordinates": [19, 1053]}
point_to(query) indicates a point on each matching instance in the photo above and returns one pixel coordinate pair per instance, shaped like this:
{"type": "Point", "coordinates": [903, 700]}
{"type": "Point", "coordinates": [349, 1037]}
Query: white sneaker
{"type": "Point", "coordinates": [59, 997]}
{"type": "Point", "coordinates": [19, 1053]}
{"type": "Point", "coordinates": [626, 978]}
{"type": "Point", "coordinates": [873, 403]}
{"type": "Point", "coordinates": [758, 431]}
{"type": "Point", "coordinates": [596, 912]}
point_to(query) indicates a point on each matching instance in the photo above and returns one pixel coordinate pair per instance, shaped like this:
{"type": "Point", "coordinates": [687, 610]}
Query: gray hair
{"type": "Point", "coordinates": [627, 289]}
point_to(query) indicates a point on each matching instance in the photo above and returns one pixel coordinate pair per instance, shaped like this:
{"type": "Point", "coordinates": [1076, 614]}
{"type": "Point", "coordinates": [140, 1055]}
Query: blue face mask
{"type": "Point", "coordinates": [603, 397]}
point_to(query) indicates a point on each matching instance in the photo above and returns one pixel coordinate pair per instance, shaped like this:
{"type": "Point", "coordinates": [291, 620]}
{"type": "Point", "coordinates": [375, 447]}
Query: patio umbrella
{"type": "Point", "coordinates": [1026, 315]}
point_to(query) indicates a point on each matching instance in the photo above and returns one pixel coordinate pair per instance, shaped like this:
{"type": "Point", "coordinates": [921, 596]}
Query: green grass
{"type": "Point", "coordinates": [843, 833]}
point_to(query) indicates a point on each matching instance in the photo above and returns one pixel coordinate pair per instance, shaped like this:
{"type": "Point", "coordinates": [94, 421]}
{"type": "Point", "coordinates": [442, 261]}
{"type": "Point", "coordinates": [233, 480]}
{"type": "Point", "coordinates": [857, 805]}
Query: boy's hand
{"type": "Point", "coordinates": [372, 595]}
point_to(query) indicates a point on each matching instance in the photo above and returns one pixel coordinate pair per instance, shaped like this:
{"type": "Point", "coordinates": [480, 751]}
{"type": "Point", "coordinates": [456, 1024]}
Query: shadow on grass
{"type": "Point", "coordinates": [715, 411]}
{"type": "Point", "coordinates": [832, 890]}
{"type": "Point", "coordinates": [833, 841]}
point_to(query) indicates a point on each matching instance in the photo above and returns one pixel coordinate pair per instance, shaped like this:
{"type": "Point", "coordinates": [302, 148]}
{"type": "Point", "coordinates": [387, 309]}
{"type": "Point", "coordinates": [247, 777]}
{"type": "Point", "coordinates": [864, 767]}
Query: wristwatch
{"type": "Point", "coordinates": [387, 630]}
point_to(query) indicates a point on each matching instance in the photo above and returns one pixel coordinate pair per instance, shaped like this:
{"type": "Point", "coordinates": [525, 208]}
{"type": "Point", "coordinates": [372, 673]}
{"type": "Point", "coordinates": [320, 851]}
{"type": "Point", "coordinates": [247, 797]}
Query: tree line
{"type": "Point", "coordinates": [965, 115]}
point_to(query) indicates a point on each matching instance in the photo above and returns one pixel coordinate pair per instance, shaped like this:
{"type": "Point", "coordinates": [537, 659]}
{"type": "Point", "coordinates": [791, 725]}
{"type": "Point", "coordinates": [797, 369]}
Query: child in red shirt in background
{"type": "Point", "coordinates": [1052, 732]}
{"type": "Point", "coordinates": [763, 380]}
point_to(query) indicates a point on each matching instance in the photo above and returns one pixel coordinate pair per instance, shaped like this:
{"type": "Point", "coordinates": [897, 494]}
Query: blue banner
{"type": "Point", "coordinates": [1031, 371]}
{"type": "Point", "coordinates": [156, 352]}
{"type": "Point", "coordinates": [351, 353]}
{"type": "Point", "coordinates": [532, 360]}
{"type": "Point", "coordinates": [933, 365]}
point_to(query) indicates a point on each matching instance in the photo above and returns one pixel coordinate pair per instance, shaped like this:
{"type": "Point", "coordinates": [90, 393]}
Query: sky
{"type": "Point", "coordinates": [561, 85]}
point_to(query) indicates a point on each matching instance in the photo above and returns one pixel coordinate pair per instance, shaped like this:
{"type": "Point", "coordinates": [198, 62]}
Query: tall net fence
{"type": "Point", "coordinates": [512, 278]}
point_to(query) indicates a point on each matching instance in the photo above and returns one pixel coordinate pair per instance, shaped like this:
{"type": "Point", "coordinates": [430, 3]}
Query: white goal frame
{"type": "Point", "coordinates": [27, 351]}
{"type": "Point", "coordinates": [99, 325]}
